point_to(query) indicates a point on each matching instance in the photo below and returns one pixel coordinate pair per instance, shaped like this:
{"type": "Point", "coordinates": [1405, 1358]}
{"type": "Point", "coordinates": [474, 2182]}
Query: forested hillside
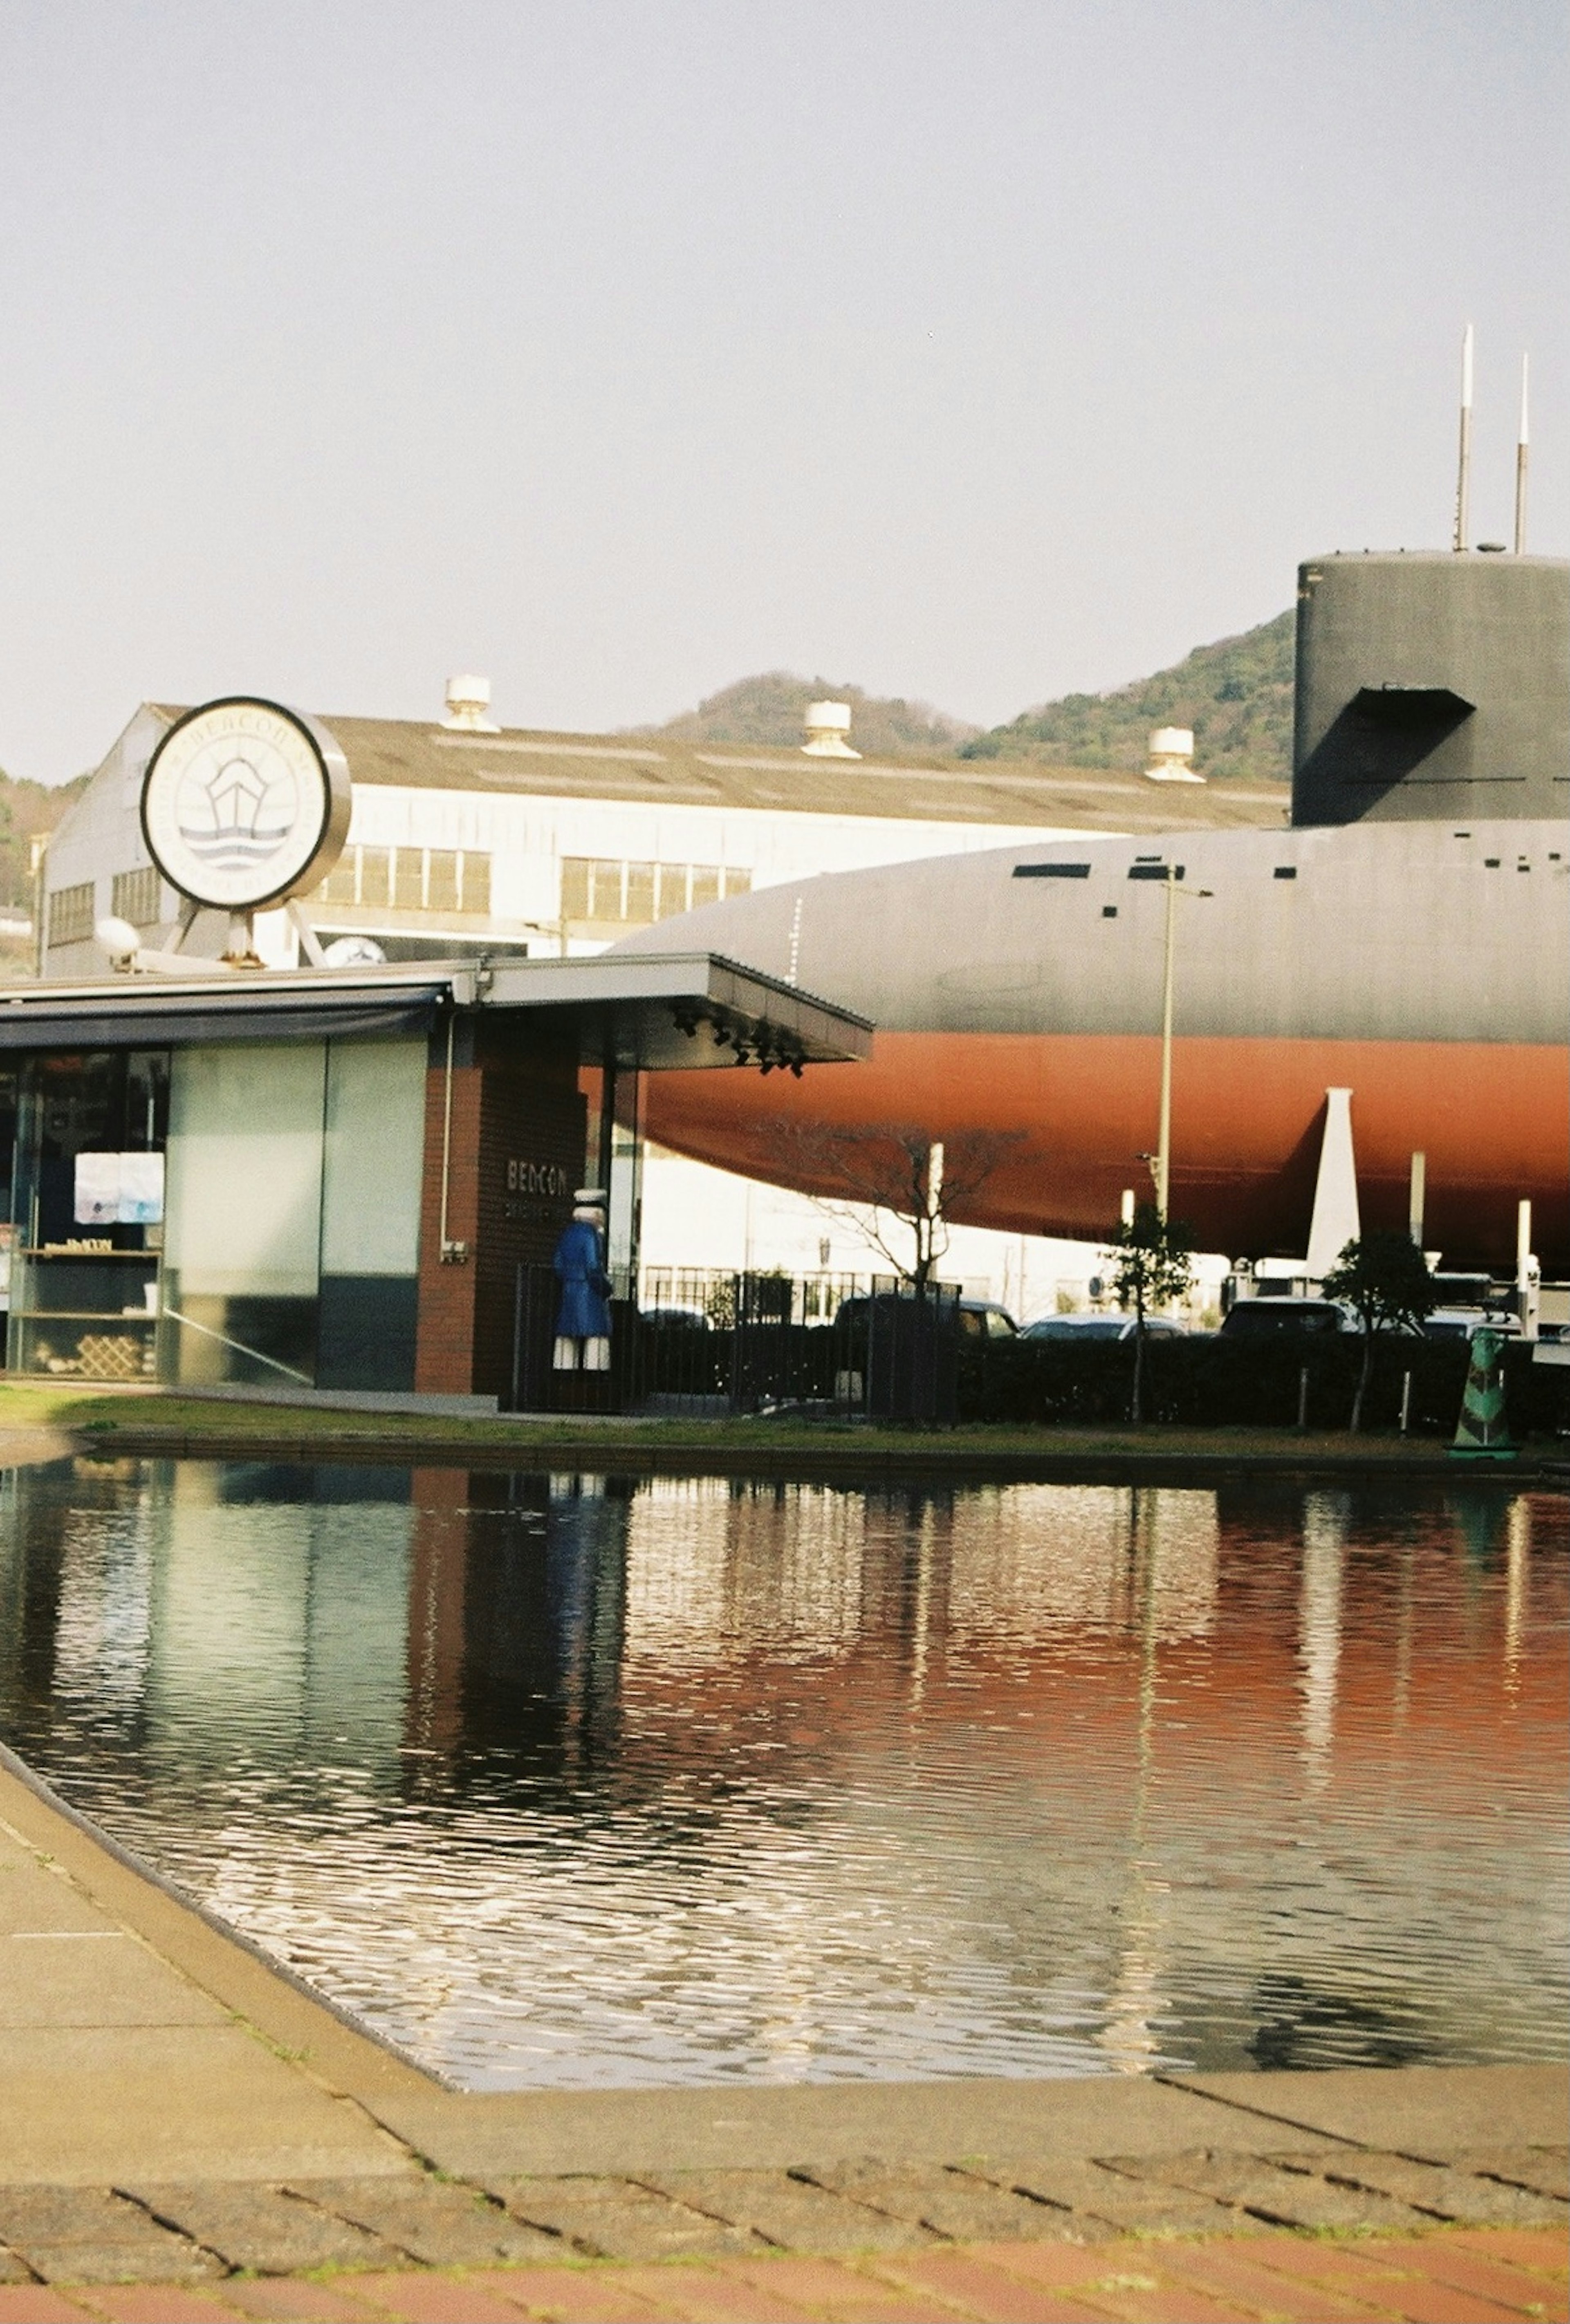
{"type": "Point", "coordinates": [1236, 695]}
{"type": "Point", "coordinates": [769, 709]}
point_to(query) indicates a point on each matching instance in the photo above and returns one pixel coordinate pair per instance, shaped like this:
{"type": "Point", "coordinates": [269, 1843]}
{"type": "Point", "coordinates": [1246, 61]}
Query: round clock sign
{"type": "Point", "coordinates": [244, 803]}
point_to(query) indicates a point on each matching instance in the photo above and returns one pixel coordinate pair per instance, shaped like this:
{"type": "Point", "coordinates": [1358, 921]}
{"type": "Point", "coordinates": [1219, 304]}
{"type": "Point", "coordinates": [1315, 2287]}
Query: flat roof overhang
{"type": "Point", "coordinates": [653, 1013]}
{"type": "Point", "coordinates": [659, 1011]}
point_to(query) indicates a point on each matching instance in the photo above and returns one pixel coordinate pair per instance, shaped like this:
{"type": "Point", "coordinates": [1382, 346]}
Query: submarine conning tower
{"type": "Point", "coordinates": [1432, 686]}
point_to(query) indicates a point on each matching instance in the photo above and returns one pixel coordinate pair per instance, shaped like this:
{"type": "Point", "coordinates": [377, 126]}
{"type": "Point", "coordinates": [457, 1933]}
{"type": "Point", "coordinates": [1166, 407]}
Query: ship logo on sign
{"type": "Point", "coordinates": [246, 803]}
{"type": "Point", "coordinates": [235, 818]}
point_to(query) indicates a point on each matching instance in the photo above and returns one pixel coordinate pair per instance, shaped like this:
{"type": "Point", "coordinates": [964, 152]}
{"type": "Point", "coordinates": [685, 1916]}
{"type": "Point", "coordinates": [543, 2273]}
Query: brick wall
{"type": "Point", "coordinates": [517, 1154]}
{"type": "Point", "coordinates": [445, 1341]}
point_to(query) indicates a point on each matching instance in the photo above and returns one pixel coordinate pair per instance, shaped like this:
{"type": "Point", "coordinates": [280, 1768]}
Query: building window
{"type": "Point", "coordinates": [635, 894]}
{"type": "Point", "coordinates": [442, 881]}
{"type": "Point", "coordinates": [641, 879]}
{"type": "Point", "coordinates": [406, 879]}
{"type": "Point", "coordinates": [341, 885]}
{"type": "Point", "coordinates": [71, 914]}
{"type": "Point", "coordinates": [137, 897]}
{"type": "Point", "coordinates": [474, 878]}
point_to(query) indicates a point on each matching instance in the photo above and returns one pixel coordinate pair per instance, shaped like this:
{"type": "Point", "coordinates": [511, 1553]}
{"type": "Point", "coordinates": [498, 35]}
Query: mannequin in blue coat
{"type": "Point", "coordinates": [583, 1316]}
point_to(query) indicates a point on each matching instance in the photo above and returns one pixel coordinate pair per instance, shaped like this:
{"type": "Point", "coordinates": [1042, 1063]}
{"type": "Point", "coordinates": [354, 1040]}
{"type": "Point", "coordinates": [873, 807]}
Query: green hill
{"type": "Point", "coordinates": [1236, 695]}
{"type": "Point", "coordinates": [769, 708]}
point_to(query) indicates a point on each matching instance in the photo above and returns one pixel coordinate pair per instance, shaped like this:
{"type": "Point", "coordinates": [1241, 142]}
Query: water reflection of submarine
{"type": "Point", "coordinates": [1405, 938]}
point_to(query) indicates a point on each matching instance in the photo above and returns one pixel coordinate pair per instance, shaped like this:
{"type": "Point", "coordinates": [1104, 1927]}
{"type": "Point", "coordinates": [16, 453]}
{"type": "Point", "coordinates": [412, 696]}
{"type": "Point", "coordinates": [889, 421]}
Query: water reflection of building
{"type": "Point", "coordinates": [233, 1608]}
{"type": "Point", "coordinates": [514, 1619]}
{"type": "Point", "coordinates": [1164, 1774]}
{"type": "Point", "coordinates": [710, 1565]}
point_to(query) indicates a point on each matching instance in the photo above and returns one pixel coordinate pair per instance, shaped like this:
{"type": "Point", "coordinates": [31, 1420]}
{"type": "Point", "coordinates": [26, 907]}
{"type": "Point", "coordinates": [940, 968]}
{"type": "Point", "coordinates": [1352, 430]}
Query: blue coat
{"type": "Point", "coordinates": [581, 1312]}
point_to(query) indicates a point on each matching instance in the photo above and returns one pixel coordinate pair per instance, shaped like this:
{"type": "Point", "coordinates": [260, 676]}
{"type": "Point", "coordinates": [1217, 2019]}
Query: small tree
{"type": "Point", "coordinates": [1151, 1268]}
{"type": "Point", "coordinates": [890, 1180]}
{"type": "Point", "coordinates": [1385, 1278]}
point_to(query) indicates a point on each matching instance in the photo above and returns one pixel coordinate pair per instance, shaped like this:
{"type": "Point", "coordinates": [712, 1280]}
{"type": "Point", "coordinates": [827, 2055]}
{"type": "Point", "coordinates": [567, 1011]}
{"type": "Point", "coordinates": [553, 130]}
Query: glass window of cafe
{"type": "Point", "coordinates": [85, 1215]}
{"type": "Point", "coordinates": [292, 1250]}
{"type": "Point", "coordinates": [248, 1212]}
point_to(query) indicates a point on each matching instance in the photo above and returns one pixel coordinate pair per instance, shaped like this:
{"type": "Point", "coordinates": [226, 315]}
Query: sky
{"type": "Point", "coordinates": [961, 349]}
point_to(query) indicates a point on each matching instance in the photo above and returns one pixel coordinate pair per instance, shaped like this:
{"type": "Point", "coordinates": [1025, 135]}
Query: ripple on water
{"type": "Point", "coordinates": [576, 1784]}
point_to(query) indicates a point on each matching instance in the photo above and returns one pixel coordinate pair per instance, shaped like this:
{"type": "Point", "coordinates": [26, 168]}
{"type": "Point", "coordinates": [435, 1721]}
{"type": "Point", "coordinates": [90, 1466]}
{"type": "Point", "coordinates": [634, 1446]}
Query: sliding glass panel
{"type": "Point", "coordinates": [375, 1129]}
{"type": "Point", "coordinates": [243, 1234]}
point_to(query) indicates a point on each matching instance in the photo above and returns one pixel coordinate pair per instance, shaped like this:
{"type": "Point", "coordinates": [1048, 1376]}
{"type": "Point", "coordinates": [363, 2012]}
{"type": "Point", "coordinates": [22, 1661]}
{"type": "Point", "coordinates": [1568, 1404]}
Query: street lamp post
{"type": "Point", "coordinates": [1161, 1166]}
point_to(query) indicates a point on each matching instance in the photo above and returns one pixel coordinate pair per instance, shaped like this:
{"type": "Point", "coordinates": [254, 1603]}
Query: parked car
{"type": "Point", "coordinates": [979, 1319]}
{"type": "Point", "coordinates": [1263, 1318]}
{"type": "Point", "coordinates": [1103, 1327]}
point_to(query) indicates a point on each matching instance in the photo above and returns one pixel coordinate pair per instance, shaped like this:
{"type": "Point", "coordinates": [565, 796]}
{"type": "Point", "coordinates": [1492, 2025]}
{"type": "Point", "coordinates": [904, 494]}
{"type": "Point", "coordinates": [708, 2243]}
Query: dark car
{"type": "Point", "coordinates": [1257, 1319]}
{"type": "Point", "coordinates": [1102, 1327]}
{"type": "Point", "coordinates": [979, 1319]}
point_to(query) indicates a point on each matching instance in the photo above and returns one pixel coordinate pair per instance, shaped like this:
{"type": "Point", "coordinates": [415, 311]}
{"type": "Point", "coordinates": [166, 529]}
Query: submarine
{"type": "Point", "coordinates": [1404, 937]}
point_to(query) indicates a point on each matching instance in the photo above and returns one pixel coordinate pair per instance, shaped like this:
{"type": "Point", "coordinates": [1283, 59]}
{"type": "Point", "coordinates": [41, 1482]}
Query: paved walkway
{"type": "Point", "coordinates": [1458, 2278]}
{"type": "Point", "coordinates": [184, 2134]}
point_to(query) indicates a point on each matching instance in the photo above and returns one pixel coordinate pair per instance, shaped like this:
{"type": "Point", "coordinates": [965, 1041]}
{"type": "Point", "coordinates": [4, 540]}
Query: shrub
{"type": "Point", "coordinates": [1217, 1383]}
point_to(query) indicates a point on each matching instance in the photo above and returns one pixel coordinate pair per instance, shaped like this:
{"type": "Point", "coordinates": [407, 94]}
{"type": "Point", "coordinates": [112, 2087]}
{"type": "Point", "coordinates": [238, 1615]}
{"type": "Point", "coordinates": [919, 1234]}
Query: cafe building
{"type": "Point", "coordinates": [329, 1177]}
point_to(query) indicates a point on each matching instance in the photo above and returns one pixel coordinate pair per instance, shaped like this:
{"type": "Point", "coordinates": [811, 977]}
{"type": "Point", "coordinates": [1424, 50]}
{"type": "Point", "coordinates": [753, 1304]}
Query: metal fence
{"type": "Point", "coordinates": [720, 1344]}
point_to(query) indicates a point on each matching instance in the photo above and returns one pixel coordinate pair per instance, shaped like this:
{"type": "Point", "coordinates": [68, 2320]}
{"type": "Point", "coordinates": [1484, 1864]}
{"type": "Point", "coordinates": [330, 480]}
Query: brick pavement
{"type": "Point", "coordinates": [197, 2230]}
{"type": "Point", "coordinates": [1445, 2276]}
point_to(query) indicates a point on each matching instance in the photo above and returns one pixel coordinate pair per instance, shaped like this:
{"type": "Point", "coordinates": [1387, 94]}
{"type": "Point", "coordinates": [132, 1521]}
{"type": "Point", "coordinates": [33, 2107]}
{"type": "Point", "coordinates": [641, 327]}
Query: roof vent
{"type": "Point", "coordinates": [827, 725]}
{"type": "Point", "coordinates": [468, 699]}
{"type": "Point", "coordinates": [1172, 756]}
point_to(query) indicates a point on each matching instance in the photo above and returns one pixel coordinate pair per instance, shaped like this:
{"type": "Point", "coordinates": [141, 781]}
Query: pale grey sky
{"type": "Point", "coordinates": [976, 351]}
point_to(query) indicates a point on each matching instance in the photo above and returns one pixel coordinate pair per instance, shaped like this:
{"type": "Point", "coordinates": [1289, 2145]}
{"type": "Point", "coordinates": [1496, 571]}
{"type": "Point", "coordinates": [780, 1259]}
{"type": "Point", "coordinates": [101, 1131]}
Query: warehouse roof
{"type": "Point", "coordinates": [657, 770]}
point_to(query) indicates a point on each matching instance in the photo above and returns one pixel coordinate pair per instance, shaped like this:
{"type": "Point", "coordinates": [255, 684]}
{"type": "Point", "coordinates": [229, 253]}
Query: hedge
{"type": "Point", "coordinates": [1207, 1382]}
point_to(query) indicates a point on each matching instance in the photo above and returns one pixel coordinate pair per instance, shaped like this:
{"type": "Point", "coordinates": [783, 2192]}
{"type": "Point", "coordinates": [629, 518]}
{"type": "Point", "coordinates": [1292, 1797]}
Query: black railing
{"type": "Point", "coordinates": [708, 1345]}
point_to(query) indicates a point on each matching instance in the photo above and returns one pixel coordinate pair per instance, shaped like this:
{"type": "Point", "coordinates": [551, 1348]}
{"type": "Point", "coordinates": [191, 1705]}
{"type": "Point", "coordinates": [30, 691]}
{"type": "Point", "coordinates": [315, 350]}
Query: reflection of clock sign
{"type": "Point", "coordinates": [244, 803]}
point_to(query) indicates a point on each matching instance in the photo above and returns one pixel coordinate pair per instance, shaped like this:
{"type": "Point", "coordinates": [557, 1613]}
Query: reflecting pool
{"type": "Point", "coordinates": [583, 1782]}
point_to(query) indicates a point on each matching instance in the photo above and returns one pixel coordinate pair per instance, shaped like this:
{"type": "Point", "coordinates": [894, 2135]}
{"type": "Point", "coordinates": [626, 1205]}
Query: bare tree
{"type": "Point", "coordinates": [895, 1185]}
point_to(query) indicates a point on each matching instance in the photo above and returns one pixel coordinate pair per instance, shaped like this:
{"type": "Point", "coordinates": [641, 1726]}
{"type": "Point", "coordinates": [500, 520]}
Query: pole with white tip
{"type": "Point", "coordinates": [1464, 465]}
{"type": "Point", "coordinates": [1522, 470]}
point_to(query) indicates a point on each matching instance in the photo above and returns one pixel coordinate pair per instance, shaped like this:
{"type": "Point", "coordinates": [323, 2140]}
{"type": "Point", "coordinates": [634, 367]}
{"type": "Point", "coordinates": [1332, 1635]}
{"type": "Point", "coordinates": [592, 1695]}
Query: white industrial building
{"type": "Point", "coordinates": [466, 837]}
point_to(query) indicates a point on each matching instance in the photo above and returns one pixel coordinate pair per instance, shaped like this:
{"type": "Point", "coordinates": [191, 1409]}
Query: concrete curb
{"type": "Point", "coordinates": [486, 2137]}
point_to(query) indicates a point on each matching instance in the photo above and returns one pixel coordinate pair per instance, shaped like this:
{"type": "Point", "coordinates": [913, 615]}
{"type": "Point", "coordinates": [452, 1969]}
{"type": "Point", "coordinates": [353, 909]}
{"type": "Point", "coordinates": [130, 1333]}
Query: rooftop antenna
{"type": "Point", "coordinates": [1522, 470]}
{"type": "Point", "coordinates": [1464, 466]}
